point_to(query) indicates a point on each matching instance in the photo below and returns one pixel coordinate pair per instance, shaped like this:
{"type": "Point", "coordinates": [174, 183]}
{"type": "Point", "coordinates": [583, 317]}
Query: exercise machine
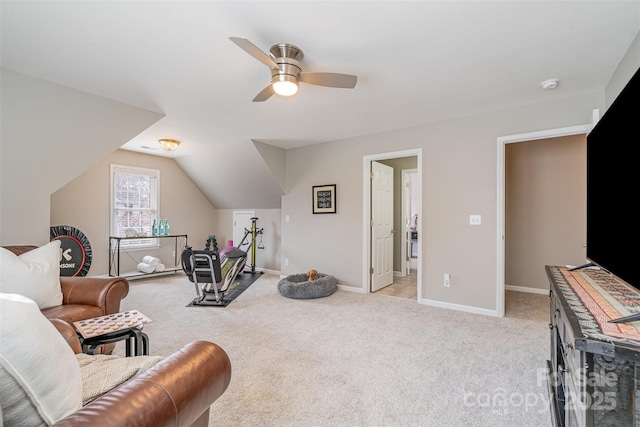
{"type": "Point", "coordinates": [211, 276]}
{"type": "Point", "coordinates": [254, 232]}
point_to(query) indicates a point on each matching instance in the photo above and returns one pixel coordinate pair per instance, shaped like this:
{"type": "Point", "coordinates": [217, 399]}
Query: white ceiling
{"type": "Point", "coordinates": [416, 61]}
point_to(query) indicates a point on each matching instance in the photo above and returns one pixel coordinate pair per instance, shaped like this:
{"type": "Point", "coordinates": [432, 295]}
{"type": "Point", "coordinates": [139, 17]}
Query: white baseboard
{"type": "Point", "coordinates": [351, 289]}
{"type": "Point", "coordinates": [527, 290]}
{"type": "Point", "coordinates": [459, 307]}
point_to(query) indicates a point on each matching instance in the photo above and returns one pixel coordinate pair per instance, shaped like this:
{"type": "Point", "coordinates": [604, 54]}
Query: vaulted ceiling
{"type": "Point", "coordinates": [416, 61]}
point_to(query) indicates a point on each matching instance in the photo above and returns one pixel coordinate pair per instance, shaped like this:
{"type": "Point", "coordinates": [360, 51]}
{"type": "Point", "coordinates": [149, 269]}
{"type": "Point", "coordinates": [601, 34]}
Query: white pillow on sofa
{"type": "Point", "coordinates": [34, 274]}
{"type": "Point", "coordinates": [40, 379]}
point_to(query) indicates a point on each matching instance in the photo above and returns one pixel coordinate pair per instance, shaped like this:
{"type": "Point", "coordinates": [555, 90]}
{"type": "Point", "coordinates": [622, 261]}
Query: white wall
{"type": "Point", "coordinates": [628, 66]}
{"type": "Point", "coordinates": [240, 175]}
{"type": "Point", "coordinates": [50, 135]}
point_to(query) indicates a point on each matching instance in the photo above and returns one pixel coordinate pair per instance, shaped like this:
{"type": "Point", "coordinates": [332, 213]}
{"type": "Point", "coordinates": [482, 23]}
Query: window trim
{"type": "Point", "coordinates": [132, 245]}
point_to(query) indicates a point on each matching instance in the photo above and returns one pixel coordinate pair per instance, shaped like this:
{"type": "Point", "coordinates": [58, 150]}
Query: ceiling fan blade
{"type": "Point", "coordinates": [264, 94]}
{"type": "Point", "coordinates": [254, 51]}
{"type": "Point", "coordinates": [346, 81]}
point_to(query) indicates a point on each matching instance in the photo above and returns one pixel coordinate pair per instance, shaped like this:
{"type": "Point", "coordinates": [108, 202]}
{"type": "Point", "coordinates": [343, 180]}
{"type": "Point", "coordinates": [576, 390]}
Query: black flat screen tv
{"type": "Point", "coordinates": [613, 187]}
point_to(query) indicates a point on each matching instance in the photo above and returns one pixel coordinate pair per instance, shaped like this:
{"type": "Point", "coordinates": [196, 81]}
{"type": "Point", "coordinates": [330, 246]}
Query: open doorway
{"type": "Point", "coordinates": [501, 228]}
{"type": "Point", "coordinates": [405, 205]}
{"type": "Point", "coordinates": [410, 237]}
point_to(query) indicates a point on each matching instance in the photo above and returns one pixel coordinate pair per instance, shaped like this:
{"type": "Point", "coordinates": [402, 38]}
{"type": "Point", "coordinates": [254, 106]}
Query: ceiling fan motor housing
{"type": "Point", "coordinates": [288, 57]}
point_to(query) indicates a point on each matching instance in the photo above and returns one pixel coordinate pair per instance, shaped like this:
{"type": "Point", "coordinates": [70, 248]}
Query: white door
{"type": "Point", "coordinates": [382, 225]}
{"type": "Point", "coordinates": [242, 222]}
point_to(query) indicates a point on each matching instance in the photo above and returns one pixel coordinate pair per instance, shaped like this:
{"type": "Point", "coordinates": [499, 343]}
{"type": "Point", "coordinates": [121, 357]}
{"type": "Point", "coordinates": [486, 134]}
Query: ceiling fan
{"type": "Point", "coordinates": [286, 71]}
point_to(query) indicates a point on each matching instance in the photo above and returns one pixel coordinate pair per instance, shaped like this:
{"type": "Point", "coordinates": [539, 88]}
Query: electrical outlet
{"type": "Point", "coordinates": [447, 280]}
{"type": "Point", "coordinates": [286, 261]}
{"type": "Point", "coordinates": [475, 219]}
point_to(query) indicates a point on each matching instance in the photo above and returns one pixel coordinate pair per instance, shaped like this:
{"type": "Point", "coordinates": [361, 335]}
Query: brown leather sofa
{"type": "Point", "coordinates": [84, 297]}
{"type": "Point", "coordinates": [178, 391]}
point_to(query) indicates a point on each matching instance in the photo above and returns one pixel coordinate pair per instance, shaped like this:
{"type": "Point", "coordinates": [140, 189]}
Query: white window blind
{"type": "Point", "coordinates": [135, 194]}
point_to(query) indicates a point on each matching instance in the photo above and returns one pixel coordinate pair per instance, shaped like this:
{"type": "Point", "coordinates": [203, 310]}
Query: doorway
{"type": "Point", "coordinates": [410, 201]}
{"type": "Point", "coordinates": [241, 223]}
{"type": "Point", "coordinates": [501, 228]}
{"type": "Point", "coordinates": [400, 237]}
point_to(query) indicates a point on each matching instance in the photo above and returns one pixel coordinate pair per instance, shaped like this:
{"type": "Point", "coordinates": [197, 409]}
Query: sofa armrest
{"type": "Point", "coordinates": [68, 333]}
{"type": "Point", "coordinates": [103, 292]}
{"type": "Point", "coordinates": [175, 392]}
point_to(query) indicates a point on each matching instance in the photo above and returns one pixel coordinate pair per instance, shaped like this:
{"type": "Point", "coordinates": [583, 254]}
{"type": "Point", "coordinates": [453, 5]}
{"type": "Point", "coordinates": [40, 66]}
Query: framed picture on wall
{"type": "Point", "coordinates": [324, 199]}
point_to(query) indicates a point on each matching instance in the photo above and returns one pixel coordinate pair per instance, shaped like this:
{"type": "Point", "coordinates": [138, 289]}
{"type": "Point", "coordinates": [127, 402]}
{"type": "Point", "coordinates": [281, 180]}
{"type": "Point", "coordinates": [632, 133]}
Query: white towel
{"type": "Point", "coordinates": [145, 268]}
{"type": "Point", "coordinates": [159, 268]}
{"type": "Point", "coordinates": [151, 260]}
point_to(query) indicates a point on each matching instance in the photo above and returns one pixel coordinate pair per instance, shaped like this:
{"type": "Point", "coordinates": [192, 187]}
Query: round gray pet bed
{"type": "Point", "coordinates": [297, 286]}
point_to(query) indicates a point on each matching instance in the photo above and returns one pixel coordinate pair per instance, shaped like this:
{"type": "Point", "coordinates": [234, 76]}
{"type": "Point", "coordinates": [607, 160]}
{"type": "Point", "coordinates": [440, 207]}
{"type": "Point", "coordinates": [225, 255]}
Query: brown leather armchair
{"type": "Point", "coordinates": [84, 297]}
{"type": "Point", "coordinates": [178, 391]}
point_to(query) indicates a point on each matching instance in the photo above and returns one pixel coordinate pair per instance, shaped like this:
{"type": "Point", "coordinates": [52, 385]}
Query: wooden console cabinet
{"type": "Point", "coordinates": [594, 373]}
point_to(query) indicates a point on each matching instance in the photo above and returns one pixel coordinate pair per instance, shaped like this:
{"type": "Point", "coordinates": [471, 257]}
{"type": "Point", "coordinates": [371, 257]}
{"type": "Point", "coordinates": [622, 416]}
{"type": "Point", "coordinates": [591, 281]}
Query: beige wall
{"type": "Point", "coordinates": [84, 203]}
{"type": "Point", "coordinates": [51, 134]}
{"type": "Point", "coordinates": [459, 179]}
{"type": "Point", "coordinates": [545, 208]}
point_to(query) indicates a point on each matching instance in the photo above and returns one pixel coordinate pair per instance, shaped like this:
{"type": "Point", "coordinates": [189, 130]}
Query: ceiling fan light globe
{"type": "Point", "coordinates": [285, 85]}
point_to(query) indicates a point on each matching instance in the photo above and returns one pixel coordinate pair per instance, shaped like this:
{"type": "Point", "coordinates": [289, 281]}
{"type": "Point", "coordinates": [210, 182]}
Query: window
{"type": "Point", "coordinates": [135, 194]}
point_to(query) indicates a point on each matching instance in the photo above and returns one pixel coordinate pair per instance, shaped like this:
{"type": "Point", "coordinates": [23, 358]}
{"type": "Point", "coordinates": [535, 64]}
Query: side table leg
{"type": "Point", "coordinates": [137, 341]}
{"type": "Point", "coordinates": [145, 344]}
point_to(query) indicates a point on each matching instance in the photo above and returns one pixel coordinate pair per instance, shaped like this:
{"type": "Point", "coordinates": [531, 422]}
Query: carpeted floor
{"type": "Point", "coordinates": [359, 360]}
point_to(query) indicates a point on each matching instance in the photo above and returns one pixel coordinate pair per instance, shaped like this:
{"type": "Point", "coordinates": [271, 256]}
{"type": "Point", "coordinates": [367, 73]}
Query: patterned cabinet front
{"type": "Point", "coordinates": [593, 377]}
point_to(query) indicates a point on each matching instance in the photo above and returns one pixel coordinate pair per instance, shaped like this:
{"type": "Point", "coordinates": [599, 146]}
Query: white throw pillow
{"type": "Point", "coordinates": [34, 274]}
{"type": "Point", "coordinates": [40, 379]}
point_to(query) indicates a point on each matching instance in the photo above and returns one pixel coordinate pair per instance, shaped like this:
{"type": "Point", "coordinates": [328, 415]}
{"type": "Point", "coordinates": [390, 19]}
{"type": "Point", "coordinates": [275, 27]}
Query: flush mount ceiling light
{"type": "Point", "coordinates": [169, 144]}
{"type": "Point", "coordinates": [284, 84]}
{"type": "Point", "coordinates": [549, 84]}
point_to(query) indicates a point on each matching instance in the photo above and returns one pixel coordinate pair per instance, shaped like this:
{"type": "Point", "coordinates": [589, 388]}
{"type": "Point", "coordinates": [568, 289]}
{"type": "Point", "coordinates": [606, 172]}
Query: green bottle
{"type": "Point", "coordinates": [160, 228]}
{"type": "Point", "coordinates": [154, 228]}
{"type": "Point", "coordinates": [166, 227]}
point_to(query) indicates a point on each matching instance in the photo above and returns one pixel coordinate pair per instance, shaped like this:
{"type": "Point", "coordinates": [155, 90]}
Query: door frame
{"type": "Point", "coordinates": [500, 238]}
{"type": "Point", "coordinates": [366, 213]}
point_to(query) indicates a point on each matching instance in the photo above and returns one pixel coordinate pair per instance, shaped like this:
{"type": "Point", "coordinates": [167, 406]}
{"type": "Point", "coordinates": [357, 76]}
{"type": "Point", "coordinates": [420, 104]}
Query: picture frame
{"type": "Point", "coordinates": [324, 199]}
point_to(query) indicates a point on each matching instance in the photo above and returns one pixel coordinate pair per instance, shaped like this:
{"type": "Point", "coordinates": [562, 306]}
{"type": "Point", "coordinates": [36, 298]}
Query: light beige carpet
{"type": "Point", "coordinates": [359, 360]}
